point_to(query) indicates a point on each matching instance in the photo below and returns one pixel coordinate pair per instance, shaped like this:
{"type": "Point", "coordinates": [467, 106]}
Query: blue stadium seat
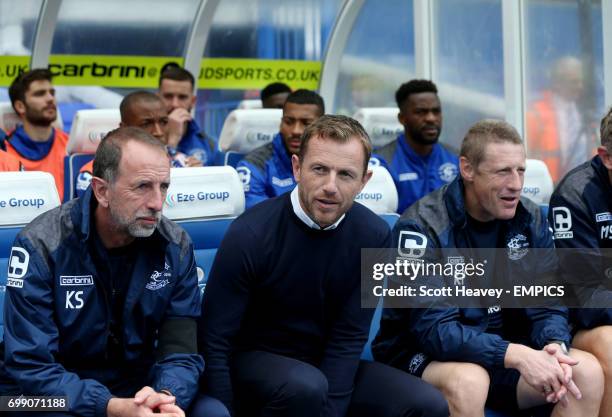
{"type": "Point", "coordinates": [23, 196]}
{"type": "Point", "coordinates": [72, 166]}
{"type": "Point", "coordinates": [232, 158]}
{"type": "Point", "coordinates": [204, 201]}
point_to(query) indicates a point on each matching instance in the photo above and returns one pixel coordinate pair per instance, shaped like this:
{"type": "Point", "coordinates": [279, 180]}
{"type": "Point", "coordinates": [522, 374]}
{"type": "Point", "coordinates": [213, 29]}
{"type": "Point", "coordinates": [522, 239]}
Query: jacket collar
{"type": "Point", "coordinates": [602, 173]}
{"type": "Point", "coordinates": [84, 219]}
{"type": "Point", "coordinates": [281, 153]}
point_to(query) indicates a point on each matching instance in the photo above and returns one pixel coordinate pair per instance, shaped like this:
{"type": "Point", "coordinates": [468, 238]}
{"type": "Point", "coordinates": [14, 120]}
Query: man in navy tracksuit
{"type": "Point", "coordinates": [471, 354]}
{"type": "Point", "coordinates": [102, 297]}
{"type": "Point", "coordinates": [581, 216]}
{"type": "Point", "coordinates": [290, 344]}
{"type": "Point", "coordinates": [183, 133]}
{"type": "Point", "coordinates": [266, 172]}
{"type": "Point", "coordinates": [416, 161]}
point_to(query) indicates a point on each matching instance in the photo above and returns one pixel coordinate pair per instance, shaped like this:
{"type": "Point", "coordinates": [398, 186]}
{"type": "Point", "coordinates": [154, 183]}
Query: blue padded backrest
{"type": "Point", "coordinates": [232, 158]}
{"type": "Point", "coordinates": [206, 236]}
{"type": "Point", "coordinates": [7, 236]}
{"type": "Point", "coordinates": [390, 218]}
{"type": "Point", "coordinates": [72, 165]}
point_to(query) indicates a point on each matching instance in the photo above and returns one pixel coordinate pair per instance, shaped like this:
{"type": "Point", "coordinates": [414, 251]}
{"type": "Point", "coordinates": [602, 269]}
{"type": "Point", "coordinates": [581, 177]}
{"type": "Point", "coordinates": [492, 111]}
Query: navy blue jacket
{"type": "Point", "coordinates": [459, 334]}
{"type": "Point", "coordinates": [416, 176]}
{"type": "Point", "coordinates": [293, 291]}
{"type": "Point", "coordinates": [266, 172]}
{"type": "Point", "coordinates": [57, 313]}
{"type": "Point", "coordinates": [581, 215]}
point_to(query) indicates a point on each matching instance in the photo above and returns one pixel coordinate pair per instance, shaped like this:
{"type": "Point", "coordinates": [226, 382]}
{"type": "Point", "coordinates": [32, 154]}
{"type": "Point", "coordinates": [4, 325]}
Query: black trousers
{"type": "Point", "coordinates": [270, 385]}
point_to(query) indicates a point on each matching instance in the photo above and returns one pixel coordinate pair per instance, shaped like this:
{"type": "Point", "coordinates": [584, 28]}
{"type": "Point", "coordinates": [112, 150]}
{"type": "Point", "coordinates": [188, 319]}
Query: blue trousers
{"type": "Point", "coordinates": [270, 385]}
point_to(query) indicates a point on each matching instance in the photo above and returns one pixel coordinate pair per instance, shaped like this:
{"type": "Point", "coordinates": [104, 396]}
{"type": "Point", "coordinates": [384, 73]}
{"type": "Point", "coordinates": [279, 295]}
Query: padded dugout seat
{"type": "Point", "coordinates": [88, 128]}
{"type": "Point", "coordinates": [247, 129]}
{"type": "Point", "coordinates": [23, 196]}
{"type": "Point", "coordinates": [381, 124]}
{"type": "Point", "coordinates": [538, 185]}
{"type": "Point", "coordinates": [204, 201]}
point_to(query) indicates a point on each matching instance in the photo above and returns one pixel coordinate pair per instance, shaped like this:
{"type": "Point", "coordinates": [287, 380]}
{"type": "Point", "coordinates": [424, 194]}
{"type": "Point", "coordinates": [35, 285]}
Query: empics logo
{"type": "Point", "coordinates": [562, 223]}
{"type": "Point", "coordinates": [18, 267]}
{"type": "Point", "coordinates": [411, 244]}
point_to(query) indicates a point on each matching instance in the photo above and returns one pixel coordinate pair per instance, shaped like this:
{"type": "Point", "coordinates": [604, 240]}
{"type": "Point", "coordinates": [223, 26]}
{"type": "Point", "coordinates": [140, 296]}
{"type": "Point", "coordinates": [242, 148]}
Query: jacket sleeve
{"type": "Point", "coordinates": [348, 335]}
{"type": "Point", "coordinates": [254, 183]}
{"type": "Point", "coordinates": [179, 366]}
{"type": "Point", "coordinates": [233, 269]}
{"type": "Point", "coordinates": [442, 332]}
{"type": "Point", "coordinates": [31, 337]}
{"type": "Point", "coordinates": [585, 262]}
{"type": "Point", "coordinates": [547, 324]}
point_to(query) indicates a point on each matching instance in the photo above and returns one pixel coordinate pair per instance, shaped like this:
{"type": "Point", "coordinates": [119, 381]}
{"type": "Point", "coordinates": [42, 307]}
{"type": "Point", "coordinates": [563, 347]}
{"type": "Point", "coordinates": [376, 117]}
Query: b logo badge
{"type": "Point", "coordinates": [562, 223]}
{"type": "Point", "coordinates": [411, 244]}
{"type": "Point", "coordinates": [18, 263]}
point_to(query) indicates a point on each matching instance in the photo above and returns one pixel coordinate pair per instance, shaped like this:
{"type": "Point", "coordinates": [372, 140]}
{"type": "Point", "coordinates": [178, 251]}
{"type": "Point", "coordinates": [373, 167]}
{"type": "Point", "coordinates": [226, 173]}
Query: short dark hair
{"type": "Point", "coordinates": [303, 96]}
{"type": "Point", "coordinates": [483, 133]}
{"type": "Point", "coordinates": [272, 89]}
{"type": "Point", "coordinates": [413, 87]}
{"type": "Point", "coordinates": [135, 97]}
{"type": "Point", "coordinates": [108, 154]}
{"type": "Point", "coordinates": [605, 131]}
{"type": "Point", "coordinates": [22, 82]}
{"type": "Point", "coordinates": [339, 129]}
{"type": "Point", "coordinates": [172, 71]}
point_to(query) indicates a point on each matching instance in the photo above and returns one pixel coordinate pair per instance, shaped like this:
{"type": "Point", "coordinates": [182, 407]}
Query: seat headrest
{"type": "Point", "coordinates": [204, 193]}
{"type": "Point", "coordinates": [25, 195]}
{"type": "Point", "coordinates": [250, 104]}
{"type": "Point", "coordinates": [379, 194]}
{"type": "Point", "coordinates": [9, 119]}
{"type": "Point", "coordinates": [247, 129]}
{"type": "Point", "coordinates": [89, 127]}
{"type": "Point", "coordinates": [381, 124]}
{"type": "Point", "coordinates": [538, 185]}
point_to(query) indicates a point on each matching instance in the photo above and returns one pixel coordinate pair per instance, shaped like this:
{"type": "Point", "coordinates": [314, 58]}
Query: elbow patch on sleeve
{"type": "Point", "coordinates": [177, 335]}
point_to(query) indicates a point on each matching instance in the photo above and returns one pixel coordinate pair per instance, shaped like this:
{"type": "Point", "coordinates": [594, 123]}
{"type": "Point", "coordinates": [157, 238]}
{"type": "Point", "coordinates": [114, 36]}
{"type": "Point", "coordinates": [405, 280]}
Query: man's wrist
{"type": "Point", "coordinates": [562, 344]}
{"type": "Point", "coordinates": [167, 392]}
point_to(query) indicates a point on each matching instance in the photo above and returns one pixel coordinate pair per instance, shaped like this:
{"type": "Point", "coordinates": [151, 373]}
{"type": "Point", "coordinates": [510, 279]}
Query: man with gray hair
{"type": "Point", "coordinates": [289, 267]}
{"type": "Point", "coordinates": [580, 214]}
{"type": "Point", "coordinates": [102, 297]}
{"type": "Point", "coordinates": [473, 355]}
